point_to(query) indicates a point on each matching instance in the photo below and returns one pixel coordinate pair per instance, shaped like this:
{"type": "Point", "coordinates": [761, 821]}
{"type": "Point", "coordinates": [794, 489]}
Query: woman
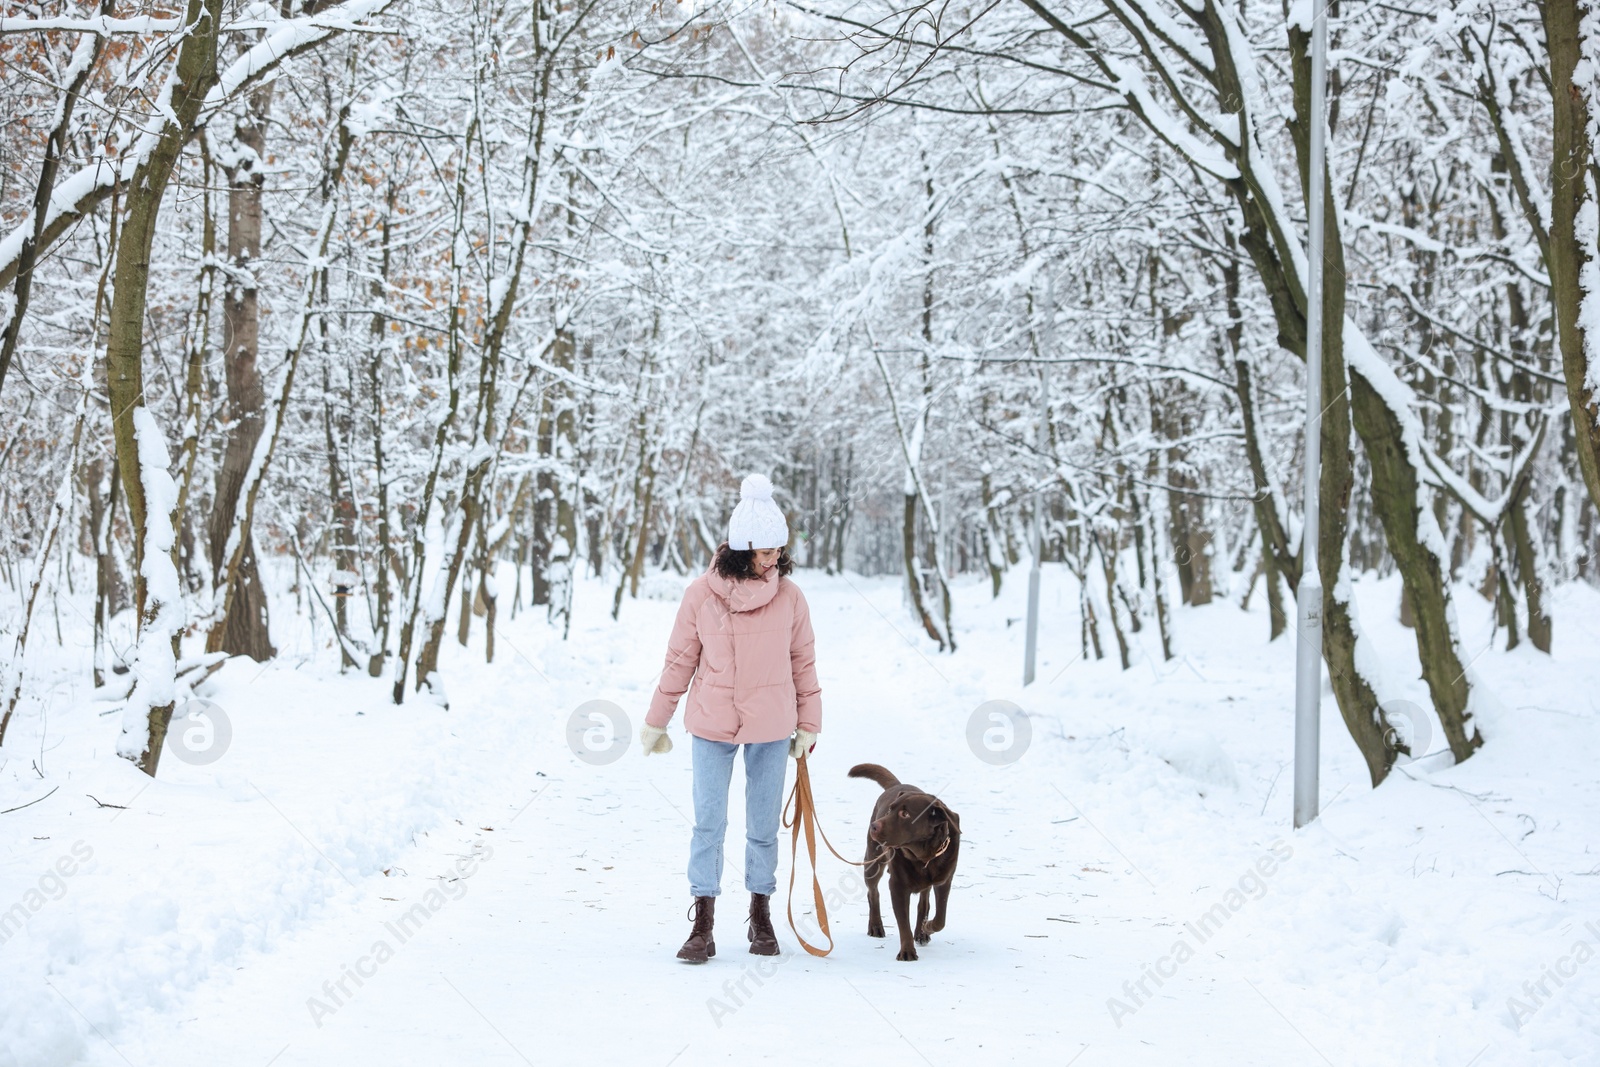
{"type": "Point", "coordinates": [743, 633]}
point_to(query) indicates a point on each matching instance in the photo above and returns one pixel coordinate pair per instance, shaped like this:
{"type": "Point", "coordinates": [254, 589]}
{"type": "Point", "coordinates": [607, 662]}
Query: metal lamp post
{"type": "Point", "coordinates": [1308, 651]}
{"type": "Point", "coordinates": [1031, 640]}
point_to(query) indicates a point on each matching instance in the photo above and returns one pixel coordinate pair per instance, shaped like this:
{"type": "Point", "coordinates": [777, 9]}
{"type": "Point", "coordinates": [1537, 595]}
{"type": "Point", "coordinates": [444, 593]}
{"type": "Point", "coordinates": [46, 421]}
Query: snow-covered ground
{"type": "Point", "coordinates": [359, 883]}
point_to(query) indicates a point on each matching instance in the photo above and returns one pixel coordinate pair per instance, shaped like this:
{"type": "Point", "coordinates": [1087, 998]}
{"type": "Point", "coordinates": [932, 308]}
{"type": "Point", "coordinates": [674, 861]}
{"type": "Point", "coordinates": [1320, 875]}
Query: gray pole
{"type": "Point", "coordinates": [1308, 652]}
{"type": "Point", "coordinates": [1031, 641]}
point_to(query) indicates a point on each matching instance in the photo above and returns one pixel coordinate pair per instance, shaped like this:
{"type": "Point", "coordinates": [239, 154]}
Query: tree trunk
{"type": "Point", "coordinates": [1088, 625]}
{"type": "Point", "coordinates": [594, 531]}
{"type": "Point", "coordinates": [908, 546]}
{"type": "Point", "coordinates": [912, 439]}
{"type": "Point", "coordinates": [1191, 541]}
{"type": "Point", "coordinates": [197, 344]}
{"type": "Point", "coordinates": [1278, 619]}
{"type": "Point", "coordinates": [1158, 585]}
{"type": "Point", "coordinates": [237, 581]}
{"type": "Point", "coordinates": [644, 483]}
{"type": "Point", "coordinates": [110, 589]}
{"type": "Point", "coordinates": [1108, 563]}
{"type": "Point", "coordinates": [491, 601]}
{"type": "Point", "coordinates": [244, 628]}
{"type": "Point", "coordinates": [1396, 496]}
{"type": "Point", "coordinates": [1530, 566]}
{"type": "Point", "coordinates": [441, 433]}
{"type": "Point", "coordinates": [989, 532]}
{"type": "Point", "coordinates": [384, 554]}
{"type": "Point", "coordinates": [449, 572]}
{"type": "Point", "coordinates": [141, 452]}
{"type": "Point", "coordinates": [464, 611]}
{"type": "Point", "coordinates": [562, 558]}
{"type": "Point", "coordinates": [344, 512]}
{"type": "Point", "coordinates": [1268, 501]}
{"type": "Point", "coordinates": [488, 593]}
{"type": "Point", "coordinates": [1573, 228]}
{"type": "Point", "coordinates": [839, 516]}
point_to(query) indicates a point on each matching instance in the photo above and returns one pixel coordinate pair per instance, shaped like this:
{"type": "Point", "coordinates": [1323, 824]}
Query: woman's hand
{"type": "Point", "coordinates": [654, 739]}
{"type": "Point", "coordinates": [802, 743]}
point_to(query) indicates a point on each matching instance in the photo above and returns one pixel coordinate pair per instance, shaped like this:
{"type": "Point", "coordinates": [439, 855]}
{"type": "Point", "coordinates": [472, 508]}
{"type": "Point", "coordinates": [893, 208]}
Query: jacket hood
{"type": "Point", "coordinates": [743, 594]}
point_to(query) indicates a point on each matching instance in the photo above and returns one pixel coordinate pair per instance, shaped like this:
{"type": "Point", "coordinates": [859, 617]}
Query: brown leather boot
{"type": "Point", "coordinates": [700, 947]}
{"type": "Point", "coordinates": [763, 942]}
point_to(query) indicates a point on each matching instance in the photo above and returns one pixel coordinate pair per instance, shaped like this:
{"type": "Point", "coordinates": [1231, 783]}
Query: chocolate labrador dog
{"type": "Point", "coordinates": [917, 838]}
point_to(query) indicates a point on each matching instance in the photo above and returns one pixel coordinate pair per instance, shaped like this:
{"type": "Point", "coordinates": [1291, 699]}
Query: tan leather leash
{"type": "Point", "coordinates": [805, 818]}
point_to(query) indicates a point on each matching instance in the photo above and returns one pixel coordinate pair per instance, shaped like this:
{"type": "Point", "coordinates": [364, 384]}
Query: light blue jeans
{"type": "Point", "coordinates": [764, 769]}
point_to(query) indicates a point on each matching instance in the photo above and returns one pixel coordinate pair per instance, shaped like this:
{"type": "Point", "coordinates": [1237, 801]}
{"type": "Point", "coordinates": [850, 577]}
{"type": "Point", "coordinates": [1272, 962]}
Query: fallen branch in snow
{"type": "Point", "coordinates": [30, 803]}
{"type": "Point", "coordinates": [192, 671]}
{"type": "Point", "coordinates": [1482, 797]}
{"type": "Point", "coordinates": [115, 691]}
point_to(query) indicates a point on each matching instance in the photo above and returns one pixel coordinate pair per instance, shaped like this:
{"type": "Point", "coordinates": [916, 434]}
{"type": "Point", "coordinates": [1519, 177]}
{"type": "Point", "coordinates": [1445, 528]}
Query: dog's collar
{"type": "Point", "coordinates": [882, 848]}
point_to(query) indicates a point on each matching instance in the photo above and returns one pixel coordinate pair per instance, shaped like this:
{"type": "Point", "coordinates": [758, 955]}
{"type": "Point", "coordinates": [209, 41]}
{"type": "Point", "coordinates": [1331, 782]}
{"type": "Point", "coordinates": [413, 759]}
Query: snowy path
{"type": "Point", "coordinates": [1146, 801]}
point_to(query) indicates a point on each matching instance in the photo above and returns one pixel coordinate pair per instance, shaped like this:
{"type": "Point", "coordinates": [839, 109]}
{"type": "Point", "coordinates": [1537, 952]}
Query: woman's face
{"type": "Point", "coordinates": [766, 559]}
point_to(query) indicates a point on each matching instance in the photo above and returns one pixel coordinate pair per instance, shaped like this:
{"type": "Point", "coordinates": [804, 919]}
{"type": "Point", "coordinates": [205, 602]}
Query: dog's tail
{"type": "Point", "coordinates": [878, 774]}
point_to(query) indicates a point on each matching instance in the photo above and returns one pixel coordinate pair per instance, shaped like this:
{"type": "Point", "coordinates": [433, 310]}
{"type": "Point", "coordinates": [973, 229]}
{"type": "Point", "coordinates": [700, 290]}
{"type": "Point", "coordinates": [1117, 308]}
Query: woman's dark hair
{"type": "Point", "coordinates": [741, 562]}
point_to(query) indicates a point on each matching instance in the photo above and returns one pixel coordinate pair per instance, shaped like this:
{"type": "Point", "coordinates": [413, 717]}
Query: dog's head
{"type": "Point", "coordinates": [912, 818]}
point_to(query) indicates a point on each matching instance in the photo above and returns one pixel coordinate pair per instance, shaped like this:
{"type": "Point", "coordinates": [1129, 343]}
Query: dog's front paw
{"type": "Point", "coordinates": [907, 954]}
{"type": "Point", "coordinates": [923, 937]}
{"type": "Point", "coordinates": [875, 928]}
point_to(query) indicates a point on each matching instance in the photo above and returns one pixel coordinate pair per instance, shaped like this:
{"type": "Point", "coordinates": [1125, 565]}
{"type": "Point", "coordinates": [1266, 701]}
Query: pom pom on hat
{"type": "Point", "coordinates": [755, 487]}
{"type": "Point", "coordinates": [757, 522]}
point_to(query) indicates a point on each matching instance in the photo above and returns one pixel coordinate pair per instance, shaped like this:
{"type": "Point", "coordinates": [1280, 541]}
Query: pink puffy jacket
{"type": "Point", "coordinates": [749, 648]}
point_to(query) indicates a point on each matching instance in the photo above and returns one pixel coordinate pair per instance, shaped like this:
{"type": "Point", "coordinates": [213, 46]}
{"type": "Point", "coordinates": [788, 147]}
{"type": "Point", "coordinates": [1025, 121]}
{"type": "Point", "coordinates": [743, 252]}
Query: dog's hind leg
{"type": "Point", "coordinates": [923, 937]}
{"type": "Point", "coordinates": [872, 873]}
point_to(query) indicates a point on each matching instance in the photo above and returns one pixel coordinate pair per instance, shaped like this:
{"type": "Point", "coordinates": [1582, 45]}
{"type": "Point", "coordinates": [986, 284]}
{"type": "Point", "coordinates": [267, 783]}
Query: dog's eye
{"type": "Point", "coordinates": [904, 814]}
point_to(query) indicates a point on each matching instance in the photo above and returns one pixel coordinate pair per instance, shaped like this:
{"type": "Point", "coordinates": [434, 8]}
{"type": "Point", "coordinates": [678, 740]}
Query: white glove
{"type": "Point", "coordinates": [654, 739]}
{"type": "Point", "coordinates": [802, 743]}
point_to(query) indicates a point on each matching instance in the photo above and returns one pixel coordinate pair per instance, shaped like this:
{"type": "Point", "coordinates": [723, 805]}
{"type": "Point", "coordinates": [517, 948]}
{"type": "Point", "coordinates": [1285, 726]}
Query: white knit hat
{"type": "Point", "coordinates": [757, 522]}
